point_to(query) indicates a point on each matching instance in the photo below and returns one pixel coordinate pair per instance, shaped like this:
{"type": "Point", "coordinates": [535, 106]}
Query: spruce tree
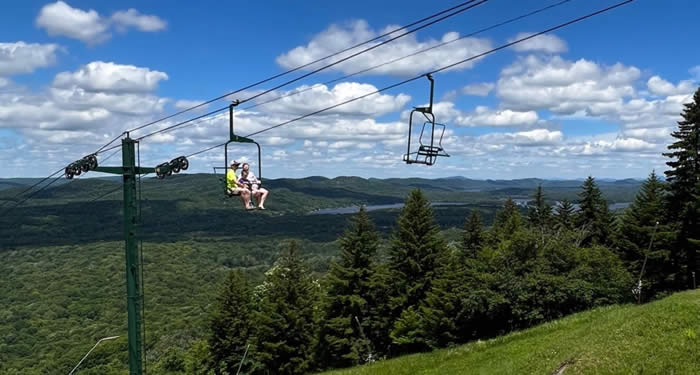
{"type": "Point", "coordinates": [564, 217]}
{"type": "Point", "coordinates": [638, 226]}
{"type": "Point", "coordinates": [231, 324]}
{"type": "Point", "coordinates": [540, 214]}
{"type": "Point", "coordinates": [684, 189]}
{"type": "Point", "coordinates": [507, 222]}
{"type": "Point", "coordinates": [474, 236]}
{"type": "Point", "coordinates": [444, 318]}
{"type": "Point", "coordinates": [342, 342]}
{"type": "Point", "coordinates": [594, 217]}
{"type": "Point", "coordinates": [285, 319]}
{"type": "Point", "coordinates": [414, 261]}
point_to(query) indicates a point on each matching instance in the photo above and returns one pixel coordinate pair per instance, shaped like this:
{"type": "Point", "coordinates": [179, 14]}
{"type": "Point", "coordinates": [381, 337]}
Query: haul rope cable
{"type": "Point", "coordinates": [509, 44]}
{"type": "Point", "coordinates": [267, 91]}
{"type": "Point", "coordinates": [202, 118]}
{"type": "Point", "coordinates": [307, 64]}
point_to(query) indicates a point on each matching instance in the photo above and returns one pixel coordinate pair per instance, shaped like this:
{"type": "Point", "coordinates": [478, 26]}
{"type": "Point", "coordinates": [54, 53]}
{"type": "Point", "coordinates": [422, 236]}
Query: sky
{"type": "Point", "coordinates": [598, 98]}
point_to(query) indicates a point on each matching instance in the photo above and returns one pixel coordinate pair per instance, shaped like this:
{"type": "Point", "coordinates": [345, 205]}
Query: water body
{"type": "Point", "coordinates": [375, 207]}
{"type": "Point", "coordinates": [523, 202]}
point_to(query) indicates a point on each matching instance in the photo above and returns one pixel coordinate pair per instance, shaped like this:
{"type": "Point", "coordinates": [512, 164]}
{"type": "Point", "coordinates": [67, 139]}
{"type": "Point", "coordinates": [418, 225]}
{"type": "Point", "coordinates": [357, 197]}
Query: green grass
{"type": "Point", "coordinates": [662, 337]}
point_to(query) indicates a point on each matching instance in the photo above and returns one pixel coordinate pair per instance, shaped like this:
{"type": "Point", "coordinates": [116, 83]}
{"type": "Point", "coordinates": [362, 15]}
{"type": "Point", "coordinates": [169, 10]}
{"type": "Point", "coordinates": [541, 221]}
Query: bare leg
{"type": "Point", "coordinates": [245, 198]}
{"type": "Point", "coordinates": [262, 198]}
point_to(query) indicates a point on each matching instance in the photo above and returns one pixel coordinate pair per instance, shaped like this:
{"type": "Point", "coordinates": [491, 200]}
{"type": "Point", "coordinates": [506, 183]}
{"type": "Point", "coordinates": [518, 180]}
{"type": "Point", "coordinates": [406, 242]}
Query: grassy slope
{"type": "Point", "coordinates": [662, 337]}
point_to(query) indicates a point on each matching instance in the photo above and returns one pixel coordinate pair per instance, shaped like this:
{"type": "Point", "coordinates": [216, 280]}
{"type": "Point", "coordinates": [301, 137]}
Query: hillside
{"type": "Point", "coordinates": [185, 207]}
{"type": "Point", "coordinates": [662, 337]}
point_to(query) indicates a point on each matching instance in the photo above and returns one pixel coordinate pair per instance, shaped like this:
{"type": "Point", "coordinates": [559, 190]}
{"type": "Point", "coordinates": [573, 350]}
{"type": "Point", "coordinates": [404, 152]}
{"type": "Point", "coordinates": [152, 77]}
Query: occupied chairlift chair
{"type": "Point", "coordinates": [233, 138]}
{"type": "Point", "coordinates": [428, 149]}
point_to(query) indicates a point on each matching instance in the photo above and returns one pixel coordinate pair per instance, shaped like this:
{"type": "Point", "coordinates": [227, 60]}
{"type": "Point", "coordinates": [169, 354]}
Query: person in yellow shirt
{"type": "Point", "coordinates": [234, 188]}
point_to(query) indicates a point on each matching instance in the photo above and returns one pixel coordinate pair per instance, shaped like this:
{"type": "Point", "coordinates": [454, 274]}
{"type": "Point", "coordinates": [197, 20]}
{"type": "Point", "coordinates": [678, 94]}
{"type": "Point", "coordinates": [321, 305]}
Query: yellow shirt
{"type": "Point", "coordinates": [231, 179]}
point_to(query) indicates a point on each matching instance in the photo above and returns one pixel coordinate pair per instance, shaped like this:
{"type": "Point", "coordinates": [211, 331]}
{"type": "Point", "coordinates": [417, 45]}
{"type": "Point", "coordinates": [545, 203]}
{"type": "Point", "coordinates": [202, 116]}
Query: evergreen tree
{"type": "Point", "coordinates": [684, 189]}
{"type": "Point", "coordinates": [565, 215]}
{"type": "Point", "coordinates": [507, 222]}
{"type": "Point", "coordinates": [231, 324]}
{"type": "Point", "coordinates": [540, 214]}
{"type": "Point", "coordinates": [380, 318]}
{"type": "Point", "coordinates": [414, 259]}
{"type": "Point", "coordinates": [444, 318]}
{"type": "Point", "coordinates": [638, 226]}
{"type": "Point", "coordinates": [474, 237]}
{"type": "Point", "coordinates": [594, 217]}
{"type": "Point", "coordinates": [342, 342]}
{"type": "Point", "coordinates": [284, 320]}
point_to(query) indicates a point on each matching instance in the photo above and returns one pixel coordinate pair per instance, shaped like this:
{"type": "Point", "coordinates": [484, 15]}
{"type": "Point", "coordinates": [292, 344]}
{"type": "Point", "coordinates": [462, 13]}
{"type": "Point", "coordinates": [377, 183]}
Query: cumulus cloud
{"type": "Point", "coordinates": [338, 37]}
{"type": "Point", "coordinates": [565, 87]}
{"type": "Point", "coordinates": [535, 137]}
{"type": "Point", "coordinates": [60, 19]}
{"type": "Point", "coordinates": [446, 112]}
{"type": "Point", "coordinates": [602, 147]}
{"type": "Point", "coordinates": [307, 99]}
{"type": "Point", "coordinates": [478, 89]}
{"type": "Point", "coordinates": [483, 116]}
{"type": "Point", "coordinates": [21, 57]}
{"type": "Point", "coordinates": [125, 19]}
{"type": "Point", "coordinates": [111, 77]}
{"type": "Point", "coordinates": [659, 86]}
{"type": "Point", "coordinates": [542, 43]}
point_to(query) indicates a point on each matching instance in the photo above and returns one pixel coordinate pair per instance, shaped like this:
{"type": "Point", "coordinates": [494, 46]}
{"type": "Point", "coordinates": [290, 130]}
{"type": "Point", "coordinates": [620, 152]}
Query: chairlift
{"type": "Point", "coordinates": [233, 138]}
{"type": "Point", "coordinates": [429, 145]}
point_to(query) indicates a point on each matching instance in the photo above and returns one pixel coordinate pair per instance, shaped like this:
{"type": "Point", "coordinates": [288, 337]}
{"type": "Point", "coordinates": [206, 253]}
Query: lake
{"type": "Point", "coordinates": [375, 207]}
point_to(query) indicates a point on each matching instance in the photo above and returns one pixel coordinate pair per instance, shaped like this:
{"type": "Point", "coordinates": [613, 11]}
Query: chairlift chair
{"type": "Point", "coordinates": [429, 145]}
{"type": "Point", "coordinates": [233, 138]}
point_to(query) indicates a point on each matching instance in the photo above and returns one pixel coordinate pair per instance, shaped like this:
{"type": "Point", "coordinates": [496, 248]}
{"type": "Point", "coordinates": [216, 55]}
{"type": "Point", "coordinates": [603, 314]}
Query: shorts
{"type": "Point", "coordinates": [232, 192]}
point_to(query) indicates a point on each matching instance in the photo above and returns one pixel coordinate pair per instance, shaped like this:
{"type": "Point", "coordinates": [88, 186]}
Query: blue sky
{"type": "Point", "coordinates": [599, 97]}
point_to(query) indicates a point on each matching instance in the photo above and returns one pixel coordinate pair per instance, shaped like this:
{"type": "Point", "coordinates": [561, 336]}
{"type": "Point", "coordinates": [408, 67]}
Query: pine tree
{"type": "Point", "coordinates": [565, 215]}
{"type": "Point", "coordinates": [474, 236]}
{"type": "Point", "coordinates": [414, 259]}
{"type": "Point", "coordinates": [342, 342]}
{"type": "Point", "coordinates": [285, 318]}
{"type": "Point", "coordinates": [594, 217]}
{"type": "Point", "coordinates": [684, 187]}
{"type": "Point", "coordinates": [231, 324]}
{"type": "Point", "coordinates": [540, 214]}
{"type": "Point", "coordinates": [638, 226]}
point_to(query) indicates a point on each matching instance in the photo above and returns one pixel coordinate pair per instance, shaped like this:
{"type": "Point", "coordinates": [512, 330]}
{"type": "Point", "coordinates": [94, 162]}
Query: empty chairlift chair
{"type": "Point", "coordinates": [429, 141]}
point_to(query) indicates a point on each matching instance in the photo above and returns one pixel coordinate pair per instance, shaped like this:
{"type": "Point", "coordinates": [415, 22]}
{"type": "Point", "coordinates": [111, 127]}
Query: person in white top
{"type": "Point", "coordinates": [260, 193]}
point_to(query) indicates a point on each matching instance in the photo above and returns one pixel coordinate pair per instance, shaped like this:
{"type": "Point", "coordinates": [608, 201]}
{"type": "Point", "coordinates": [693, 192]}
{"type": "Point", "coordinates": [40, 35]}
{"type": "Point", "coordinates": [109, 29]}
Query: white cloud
{"type": "Point", "coordinates": [124, 19]}
{"type": "Point", "coordinates": [542, 43]}
{"type": "Point", "coordinates": [445, 112]}
{"type": "Point", "coordinates": [659, 86]}
{"type": "Point", "coordinates": [478, 89]}
{"type": "Point", "coordinates": [535, 137]}
{"type": "Point", "coordinates": [565, 87]}
{"type": "Point", "coordinates": [338, 37]}
{"type": "Point", "coordinates": [60, 19]}
{"type": "Point", "coordinates": [21, 57]}
{"type": "Point", "coordinates": [133, 104]}
{"type": "Point", "coordinates": [307, 100]}
{"type": "Point", "coordinates": [111, 77]}
{"type": "Point", "coordinates": [483, 116]}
